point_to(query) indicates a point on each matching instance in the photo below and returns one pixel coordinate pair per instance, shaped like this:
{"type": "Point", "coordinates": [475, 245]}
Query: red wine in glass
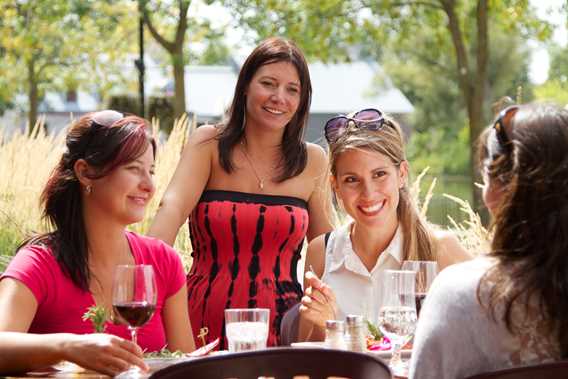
{"type": "Point", "coordinates": [419, 300]}
{"type": "Point", "coordinates": [136, 313]}
{"type": "Point", "coordinates": [134, 295]}
{"type": "Point", "coordinates": [426, 271]}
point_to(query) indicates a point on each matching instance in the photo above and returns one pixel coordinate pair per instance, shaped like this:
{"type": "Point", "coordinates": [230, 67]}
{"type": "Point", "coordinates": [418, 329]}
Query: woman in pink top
{"type": "Point", "coordinates": [102, 183]}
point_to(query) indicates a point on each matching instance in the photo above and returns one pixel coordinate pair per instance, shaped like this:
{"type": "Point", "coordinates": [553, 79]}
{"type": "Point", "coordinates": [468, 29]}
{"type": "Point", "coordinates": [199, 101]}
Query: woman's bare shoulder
{"type": "Point", "coordinates": [450, 250]}
{"type": "Point", "coordinates": [317, 157]}
{"type": "Point", "coordinates": [207, 133]}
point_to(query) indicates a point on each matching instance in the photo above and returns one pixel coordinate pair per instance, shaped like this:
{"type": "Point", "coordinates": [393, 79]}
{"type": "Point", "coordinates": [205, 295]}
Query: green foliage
{"type": "Point", "coordinates": [324, 29]}
{"type": "Point", "coordinates": [162, 108]}
{"type": "Point", "coordinates": [444, 150]}
{"type": "Point", "coordinates": [7, 84]}
{"type": "Point", "coordinates": [9, 241]}
{"type": "Point", "coordinates": [124, 103]}
{"type": "Point", "coordinates": [554, 90]}
{"type": "Point", "coordinates": [97, 314]}
{"type": "Point", "coordinates": [440, 134]}
{"type": "Point", "coordinates": [46, 42]}
{"type": "Point", "coordinates": [558, 63]}
{"type": "Point", "coordinates": [165, 353]}
{"type": "Point", "coordinates": [373, 330]}
{"type": "Point", "coordinates": [556, 87]}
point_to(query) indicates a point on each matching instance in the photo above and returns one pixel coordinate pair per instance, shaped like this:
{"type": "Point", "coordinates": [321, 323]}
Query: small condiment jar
{"type": "Point", "coordinates": [334, 335]}
{"type": "Point", "coordinates": [355, 335]}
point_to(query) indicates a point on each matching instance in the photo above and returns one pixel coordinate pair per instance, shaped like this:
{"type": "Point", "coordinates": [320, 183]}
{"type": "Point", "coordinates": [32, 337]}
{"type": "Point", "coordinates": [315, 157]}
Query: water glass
{"type": "Point", "coordinates": [246, 328]}
{"type": "Point", "coordinates": [397, 315]}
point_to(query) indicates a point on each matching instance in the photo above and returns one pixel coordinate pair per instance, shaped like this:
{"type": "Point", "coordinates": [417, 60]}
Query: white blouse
{"type": "Point", "coordinates": [357, 290]}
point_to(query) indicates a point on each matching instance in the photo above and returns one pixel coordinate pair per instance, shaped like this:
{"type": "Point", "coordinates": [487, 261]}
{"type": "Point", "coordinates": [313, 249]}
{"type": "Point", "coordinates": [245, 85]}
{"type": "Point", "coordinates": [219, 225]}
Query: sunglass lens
{"type": "Point", "coordinates": [503, 123]}
{"type": "Point", "coordinates": [368, 114]}
{"type": "Point", "coordinates": [335, 128]}
{"type": "Point", "coordinates": [373, 125]}
{"type": "Point", "coordinates": [107, 117]}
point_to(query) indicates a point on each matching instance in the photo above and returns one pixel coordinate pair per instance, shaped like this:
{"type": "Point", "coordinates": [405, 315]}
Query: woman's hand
{"type": "Point", "coordinates": [318, 303]}
{"type": "Point", "coordinates": [103, 353]}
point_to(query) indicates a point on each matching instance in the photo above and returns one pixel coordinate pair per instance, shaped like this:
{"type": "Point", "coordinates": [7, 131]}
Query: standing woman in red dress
{"type": "Point", "coordinates": [253, 190]}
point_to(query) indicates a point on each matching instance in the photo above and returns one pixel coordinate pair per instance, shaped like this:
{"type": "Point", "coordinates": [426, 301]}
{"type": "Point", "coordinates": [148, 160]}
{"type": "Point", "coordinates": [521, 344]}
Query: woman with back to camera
{"type": "Point", "coordinates": [252, 189]}
{"type": "Point", "coordinates": [508, 308]}
{"type": "Point", "coordinates": [101, 184]}
{"type": "Point", "coordinates": [369, 177]}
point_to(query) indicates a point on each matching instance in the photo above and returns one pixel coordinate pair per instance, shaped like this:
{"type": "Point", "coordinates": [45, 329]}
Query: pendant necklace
{"type": "Point", "coordinates": [260, 180]}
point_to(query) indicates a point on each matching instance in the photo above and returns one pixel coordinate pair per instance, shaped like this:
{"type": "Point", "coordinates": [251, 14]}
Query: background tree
{"type": "Point", "coordinates": [209, 46]}
{"type": "Point", "coordinates": [327, 30]}
{"type": "Point", "coordinates": [173, 20]}
{"type": "Point", "coordinates": [52, 44]}
{"type": "Point", "coordinates": [462, 30]}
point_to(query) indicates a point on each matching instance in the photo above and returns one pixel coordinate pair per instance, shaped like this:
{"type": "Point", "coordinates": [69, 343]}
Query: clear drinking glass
{"type": "Point", "coordinates": [397, 315]}
{"type": "Point", "coordinates": [246, 328]}
{"type": "Point", "coordinates": [426, 271]}
{"type": "Point", "coordinates": [134, 296]}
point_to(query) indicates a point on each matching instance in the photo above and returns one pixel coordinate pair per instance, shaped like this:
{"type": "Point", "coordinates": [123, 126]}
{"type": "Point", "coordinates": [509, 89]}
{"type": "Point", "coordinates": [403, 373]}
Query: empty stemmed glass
{"type": "Point", "coordinates": [426, 271]}
{"type": "Point", "coordinates": [397, 314]}
{"type": "Point", "coordinates": [134, 296]}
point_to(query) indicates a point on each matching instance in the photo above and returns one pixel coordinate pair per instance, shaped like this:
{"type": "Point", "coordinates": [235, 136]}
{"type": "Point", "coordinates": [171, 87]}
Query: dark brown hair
{"type": "Point", "coordinates": [104, 146]}
{"type": "Point", "coordinates": [418, 243]}
{"type": "Point", "coordinates": [531, 222]}
{"type": "Point", "coordinates": [294, 153]}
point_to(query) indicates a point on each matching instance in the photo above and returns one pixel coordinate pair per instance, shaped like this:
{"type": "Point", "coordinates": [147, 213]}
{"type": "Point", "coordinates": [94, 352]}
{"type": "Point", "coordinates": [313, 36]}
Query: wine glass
{"type": "Point", "coordinates": [426, 271]}
{"type": "Point", "coordinates": [397, 314]}
{"type": "Point", "coordinates": [134, 295]}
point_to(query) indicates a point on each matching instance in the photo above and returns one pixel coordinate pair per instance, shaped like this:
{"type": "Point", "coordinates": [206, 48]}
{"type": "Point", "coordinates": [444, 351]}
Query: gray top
{"type": "Point", "coordinates": [456, 337]}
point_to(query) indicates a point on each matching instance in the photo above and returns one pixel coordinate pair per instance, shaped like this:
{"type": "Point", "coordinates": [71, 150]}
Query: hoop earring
{"type": "Point", "coordinates": [88, 189]}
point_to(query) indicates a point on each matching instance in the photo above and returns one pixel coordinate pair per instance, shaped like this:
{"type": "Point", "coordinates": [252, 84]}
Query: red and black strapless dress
{"type": "Point", "coordinates": [246, 249]}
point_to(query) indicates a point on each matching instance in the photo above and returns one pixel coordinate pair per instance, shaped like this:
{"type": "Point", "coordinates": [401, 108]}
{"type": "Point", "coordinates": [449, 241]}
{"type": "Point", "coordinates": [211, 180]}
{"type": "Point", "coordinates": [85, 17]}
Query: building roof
{"type": "Point", "coordinates": [345, 87]}
{"type": "Point", "coordinates": [337, 88]}
{"type": "Point", "coordinates": [209, 89]}
{"type": "Point", "coordinates": [57, 102]}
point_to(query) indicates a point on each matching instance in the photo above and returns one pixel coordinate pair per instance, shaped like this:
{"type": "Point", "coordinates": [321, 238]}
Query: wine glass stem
{"type": "Point", "coordinates": [395, 359]}
{"type": "Point", "coordinates": [134, 335]}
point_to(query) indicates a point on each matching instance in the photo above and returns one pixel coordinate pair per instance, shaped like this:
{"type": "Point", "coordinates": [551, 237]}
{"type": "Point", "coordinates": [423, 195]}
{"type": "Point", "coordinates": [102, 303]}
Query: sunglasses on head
{"type": "Point", "coordinates": [106, 118]}
{"type": "Point", "coordinates": [503, 125]}
{"type": "Point", "coordinates": [370, 119]}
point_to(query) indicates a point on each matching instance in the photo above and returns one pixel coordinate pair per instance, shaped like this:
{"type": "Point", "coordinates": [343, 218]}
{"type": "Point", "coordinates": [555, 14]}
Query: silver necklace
{"type": "Point", "coordinates": [260, 180]}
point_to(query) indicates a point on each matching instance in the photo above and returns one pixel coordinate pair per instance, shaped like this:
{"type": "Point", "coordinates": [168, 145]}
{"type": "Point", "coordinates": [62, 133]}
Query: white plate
{"type": "Point", "coordinates": [386, 354]}
{"type": "Point", "coordinates": [66, 366]}
{"type": "Point", "coordinates": [308, 344]}
{"type": "Point", "coordinates": [156, 364]}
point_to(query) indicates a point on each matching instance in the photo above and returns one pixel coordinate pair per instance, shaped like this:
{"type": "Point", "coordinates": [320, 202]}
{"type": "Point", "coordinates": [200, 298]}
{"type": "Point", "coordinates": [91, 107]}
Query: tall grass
{"type": "Point", "coordinates": [27, 159]}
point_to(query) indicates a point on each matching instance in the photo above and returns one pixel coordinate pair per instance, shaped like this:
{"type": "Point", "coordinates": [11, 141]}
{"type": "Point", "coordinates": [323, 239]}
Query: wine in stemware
{"type": "Point", "coordinates": [426, 271]}
{"type": "Point", "coordinates": [134, 296]}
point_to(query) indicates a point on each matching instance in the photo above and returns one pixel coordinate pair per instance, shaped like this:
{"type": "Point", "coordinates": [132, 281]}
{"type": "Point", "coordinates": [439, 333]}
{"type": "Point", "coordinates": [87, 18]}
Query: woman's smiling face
{"type": "Point", "coordinates": [368, 184]}
{"type": "Point", "coordinates": [273, 95]}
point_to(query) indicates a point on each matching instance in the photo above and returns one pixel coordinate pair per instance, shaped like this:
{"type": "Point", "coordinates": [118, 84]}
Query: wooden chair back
{"type": "Point", "coordinates": [281, 363]}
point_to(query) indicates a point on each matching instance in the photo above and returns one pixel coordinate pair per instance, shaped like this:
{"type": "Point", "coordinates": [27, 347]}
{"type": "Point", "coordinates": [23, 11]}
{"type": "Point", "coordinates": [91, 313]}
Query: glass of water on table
{"type": "Point", "coordinates": [397, 314]}
{"type": "Point", "coordinates": [246, 328]}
